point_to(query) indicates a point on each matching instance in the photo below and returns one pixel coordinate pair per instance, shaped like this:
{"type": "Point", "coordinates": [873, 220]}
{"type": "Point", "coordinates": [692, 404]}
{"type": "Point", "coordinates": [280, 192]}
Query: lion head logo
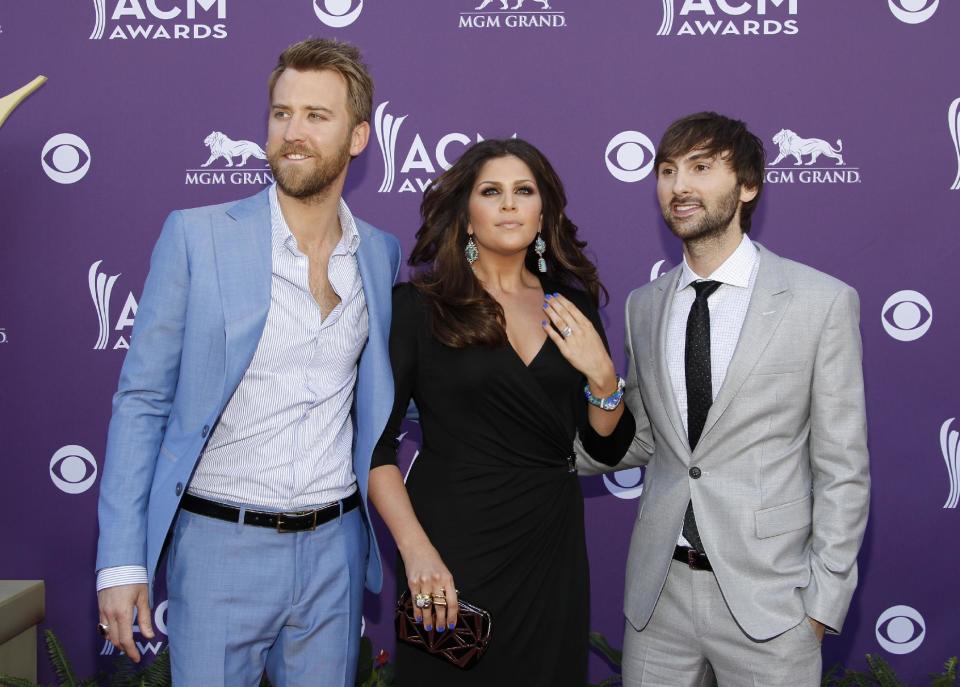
{"type": "Point", "coordinates": [792, 145]}
{"type": "Point", "coordinates": [221, 145]}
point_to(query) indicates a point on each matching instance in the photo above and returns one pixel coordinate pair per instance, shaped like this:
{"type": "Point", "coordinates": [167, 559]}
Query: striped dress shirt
{"type": "Point", "coordinates": [728, 309]}
{"type": "Point", "coordinates": [285, 439]}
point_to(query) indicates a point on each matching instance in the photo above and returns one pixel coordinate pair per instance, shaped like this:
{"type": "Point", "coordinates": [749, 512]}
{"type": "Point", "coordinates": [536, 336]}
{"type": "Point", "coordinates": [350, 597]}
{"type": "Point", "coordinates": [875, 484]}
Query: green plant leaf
{"type": "Point", "coordinates": [365, 663]}
{"type": "Point", "coordinates": [9, 681]}
{"type": "Point", "coordinates": [158, 673]}
{"type": "Point", "coordinates": [948, 678]}
{"type": "Point", "coordinates": [882, 672]}
{"type": "Point", "coordinates": [600, 643]}
{"type": "Point", "coordinates": [59, 660]}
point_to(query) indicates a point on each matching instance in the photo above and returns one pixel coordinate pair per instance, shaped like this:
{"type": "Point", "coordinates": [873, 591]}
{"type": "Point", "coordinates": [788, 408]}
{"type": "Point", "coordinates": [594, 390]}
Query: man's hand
{"type": "Point", "coordinates": [116, 612]}
{"type": "Point", "coordinates": [818, 627]}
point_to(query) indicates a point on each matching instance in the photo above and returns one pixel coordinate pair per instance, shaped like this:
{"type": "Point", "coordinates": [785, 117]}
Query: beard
{"type": "Point", "coordinates": [713, 221]}
{"type": "Point", "coordinates": [303, 181]}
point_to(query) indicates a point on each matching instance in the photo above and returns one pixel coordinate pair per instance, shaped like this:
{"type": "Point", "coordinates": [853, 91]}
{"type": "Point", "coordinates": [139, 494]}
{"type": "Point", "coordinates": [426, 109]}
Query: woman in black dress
{"type": "Point", "coordinates": [497, 340]}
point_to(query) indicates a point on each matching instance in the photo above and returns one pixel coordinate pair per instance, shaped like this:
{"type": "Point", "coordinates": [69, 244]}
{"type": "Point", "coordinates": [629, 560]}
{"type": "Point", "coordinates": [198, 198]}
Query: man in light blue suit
{"type": "Point", "coordinates": [256, 385]}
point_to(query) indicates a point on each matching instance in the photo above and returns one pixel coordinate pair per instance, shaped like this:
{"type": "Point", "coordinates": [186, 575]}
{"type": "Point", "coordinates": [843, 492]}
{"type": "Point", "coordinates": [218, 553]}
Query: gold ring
{"type": "Point", "coordinates": [423, 601]}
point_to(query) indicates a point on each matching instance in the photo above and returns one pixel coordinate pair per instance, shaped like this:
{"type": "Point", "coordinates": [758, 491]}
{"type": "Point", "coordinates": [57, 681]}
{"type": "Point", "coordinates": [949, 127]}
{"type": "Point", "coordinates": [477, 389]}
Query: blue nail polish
{"type": "Point", "coordinates": [556, 295]}
{"type": "Point", "coordinates": [549, 296]}
{"type": "Point", "coordinates": [440, 628]}
{"type": "Point", "coordinates": [546, 305]}
{"type": "Point", "coordinates": [543, 323]}
{"type": "Point", "coordinates": [428, 627]}
{"type": "Point", "coordinates": [451, 626]}
{"type": "Point", "coordinates": [418, 620]}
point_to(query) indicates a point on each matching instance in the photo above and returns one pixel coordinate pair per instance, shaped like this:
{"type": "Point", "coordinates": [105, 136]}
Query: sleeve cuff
{"type": "Point", "coordinates": [611, 449]}
{"type": "Point", "coordinates": [121, 574]}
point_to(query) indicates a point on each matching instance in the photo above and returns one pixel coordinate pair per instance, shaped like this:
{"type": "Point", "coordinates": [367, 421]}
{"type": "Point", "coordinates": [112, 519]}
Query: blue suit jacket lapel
{"type": "Point", "coordinates": [243, 255]}
{"type": "Point", "coordinates": [374, 395]}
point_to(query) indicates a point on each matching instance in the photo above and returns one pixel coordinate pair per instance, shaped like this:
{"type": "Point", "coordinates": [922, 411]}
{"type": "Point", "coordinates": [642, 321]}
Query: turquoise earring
{"type": "Point", "coordinates": [471, 251]}
{"type": "Point", "coordinates": [540, 247]}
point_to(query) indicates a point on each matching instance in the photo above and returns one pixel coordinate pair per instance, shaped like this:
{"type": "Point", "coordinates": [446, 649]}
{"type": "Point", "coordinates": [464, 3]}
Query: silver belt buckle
{"type": "Point", "coordinates": [281, 522]}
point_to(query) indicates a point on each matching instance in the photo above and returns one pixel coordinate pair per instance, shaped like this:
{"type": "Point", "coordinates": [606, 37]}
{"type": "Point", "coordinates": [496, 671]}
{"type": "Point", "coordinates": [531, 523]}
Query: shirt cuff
{"type": "Point", "coordinates": [121, 574]}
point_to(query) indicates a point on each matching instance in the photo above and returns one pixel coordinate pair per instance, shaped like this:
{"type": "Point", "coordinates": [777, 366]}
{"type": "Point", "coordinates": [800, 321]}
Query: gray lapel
{"type": "Point", "coordinates": [667, 286]}
{"type": "Point", "coordinates": [243, 253]}
{"type": "Point", "coordinates": [771, 296]}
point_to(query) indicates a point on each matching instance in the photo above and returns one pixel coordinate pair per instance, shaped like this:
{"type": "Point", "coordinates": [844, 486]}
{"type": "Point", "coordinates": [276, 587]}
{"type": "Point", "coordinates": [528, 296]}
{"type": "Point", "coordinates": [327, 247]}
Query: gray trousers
{"type": "Point", "coordinates": [692, 640]}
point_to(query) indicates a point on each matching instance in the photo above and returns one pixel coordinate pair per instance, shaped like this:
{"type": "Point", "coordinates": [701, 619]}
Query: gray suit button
{"type": "Point", "coordinates": [205, 430]}
{"type": "Point", "coordinates": [695, 472]}
{"type": "Point", "coordinates": [179, 488]}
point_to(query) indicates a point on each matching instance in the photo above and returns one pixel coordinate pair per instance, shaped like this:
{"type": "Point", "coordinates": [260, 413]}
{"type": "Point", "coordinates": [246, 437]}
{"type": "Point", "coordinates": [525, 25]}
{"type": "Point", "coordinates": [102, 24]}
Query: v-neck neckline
{"type": "Point", "coordinates": [543, 345]}
{"type": "Point", "coordinates": [536, 355]}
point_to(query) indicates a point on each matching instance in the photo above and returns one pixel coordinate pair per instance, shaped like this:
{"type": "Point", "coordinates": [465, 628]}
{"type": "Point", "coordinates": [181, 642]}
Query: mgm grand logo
{"type": "Point", "coordinates": [814, 161]}
{"type": "Point", "coordinates": [501, 14]}
{"type": "Point", "coordinates": [230, 156]}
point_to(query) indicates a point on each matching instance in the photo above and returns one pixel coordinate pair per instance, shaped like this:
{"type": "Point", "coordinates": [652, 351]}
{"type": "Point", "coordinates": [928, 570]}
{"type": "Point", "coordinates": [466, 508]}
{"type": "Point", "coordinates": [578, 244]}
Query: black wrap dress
{"type": "Point", "coordinates": [494, 490]}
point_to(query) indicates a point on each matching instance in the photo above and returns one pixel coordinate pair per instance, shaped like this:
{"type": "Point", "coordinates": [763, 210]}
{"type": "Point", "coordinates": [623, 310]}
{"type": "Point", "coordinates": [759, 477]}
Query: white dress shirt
{"type": "Point", "coordinates": [728, 309]}
{"type": "Point", "coordinates": [284, 441]}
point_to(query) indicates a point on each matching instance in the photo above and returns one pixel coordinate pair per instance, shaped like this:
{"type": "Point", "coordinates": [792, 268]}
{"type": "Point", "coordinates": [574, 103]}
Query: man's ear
{"type": "Point", "coordinates": [748, 193]}
{"type": "Point", "coordinates": [359, 138]}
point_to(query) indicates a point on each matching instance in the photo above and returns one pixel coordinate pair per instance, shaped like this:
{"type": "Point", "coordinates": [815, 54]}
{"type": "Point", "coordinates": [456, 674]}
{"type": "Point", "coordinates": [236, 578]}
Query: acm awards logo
{"type": "Point", "coordinates": [629, 156]}
{"type": "Point", "coordinates": [907, 315]}
{"type": "Point", "coordinates": [145, 19]}
{"type": "Point", "coordinates": [337, 13]}
{"type": "Point", "coordinates": [913, 11]}
{"type": "Point", "coordinates": [809, 161]}
{"type": "Point", "coordinates": [420, 162]}
{"type": "Point", "coordinates": [953, 121]}
{"type": "Point", "coordinates": [229, 154]}
{"type": "Point", "coordinates": [11, 101]}
{"type": "Point", "coordinates": [729, 18]}
{"type": "Point", "coordinates": [658, 270]}
{"type": "Point", "coordinates": [73, 469]}
{"type": "Point", "coordinates": [101, 291]}
{"type": "Point", "coordinates": [144, 647]}
{"type": "Point", "coordinates": [900, 630]}
{"type": "Point", "coordinates": [497, 14]}
{"type": "Point", "coordinates": [949, 444]}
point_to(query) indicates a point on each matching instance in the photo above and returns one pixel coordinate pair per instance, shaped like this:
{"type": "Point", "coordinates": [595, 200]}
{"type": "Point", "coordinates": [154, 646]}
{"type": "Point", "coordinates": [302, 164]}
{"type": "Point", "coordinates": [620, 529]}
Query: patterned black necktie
{"type": "Point", "coordinates": [699, 384]}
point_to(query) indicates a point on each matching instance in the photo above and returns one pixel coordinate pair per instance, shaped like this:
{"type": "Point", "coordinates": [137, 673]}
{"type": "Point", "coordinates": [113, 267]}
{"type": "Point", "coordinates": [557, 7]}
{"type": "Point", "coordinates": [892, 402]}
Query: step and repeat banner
{"type": "Point", "coordinates": [153, 105]}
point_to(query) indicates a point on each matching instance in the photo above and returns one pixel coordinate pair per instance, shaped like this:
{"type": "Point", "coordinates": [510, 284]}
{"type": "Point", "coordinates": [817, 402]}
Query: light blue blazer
{"type": "Point", "coordinates": [203, 309]}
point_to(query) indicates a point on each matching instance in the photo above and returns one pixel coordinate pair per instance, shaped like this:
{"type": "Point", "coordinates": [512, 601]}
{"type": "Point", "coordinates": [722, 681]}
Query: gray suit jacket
{"type": "Point", "coordinates": [783, 494]}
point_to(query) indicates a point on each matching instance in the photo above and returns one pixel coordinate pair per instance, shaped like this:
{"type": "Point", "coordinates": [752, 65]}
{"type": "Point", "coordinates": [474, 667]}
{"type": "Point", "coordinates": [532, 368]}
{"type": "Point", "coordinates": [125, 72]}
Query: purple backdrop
{"type": "Point", "coordinates": [138, 86]}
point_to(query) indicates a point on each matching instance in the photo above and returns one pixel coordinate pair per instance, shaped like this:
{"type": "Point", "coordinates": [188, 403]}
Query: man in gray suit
{"type": "Point", "coordinates": [747, 386]}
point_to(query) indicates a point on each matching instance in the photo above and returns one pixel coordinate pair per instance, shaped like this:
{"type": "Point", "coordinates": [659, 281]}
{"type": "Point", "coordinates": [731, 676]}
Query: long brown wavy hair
{"type": "Point", "coordinates": [462, 313]}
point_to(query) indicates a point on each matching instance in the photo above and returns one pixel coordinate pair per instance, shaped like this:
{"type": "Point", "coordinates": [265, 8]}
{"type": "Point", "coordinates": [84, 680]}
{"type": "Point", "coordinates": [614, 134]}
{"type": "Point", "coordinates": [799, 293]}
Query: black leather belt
{"type": "Point", "coordinates": [692, 557]}
{"type": "Point", "coordinates": [300, 521]}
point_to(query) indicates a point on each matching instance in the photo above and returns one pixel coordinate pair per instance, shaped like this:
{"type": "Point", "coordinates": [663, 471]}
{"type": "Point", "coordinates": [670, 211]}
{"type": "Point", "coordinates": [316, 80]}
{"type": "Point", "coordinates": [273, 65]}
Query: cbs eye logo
{"type": "Point", "coordinates": [625, 484]}
{"type": "Point", "coordinates": [73, 469]}
{"type": "Point", "coordinates": [907, 315]}
{"type": "Point", "coordinates": [913, 11]}
{"type": "Point", "coordinates": [337, 13]}
{"type": "Point", "coordinates": [65, 158]}
{"type": "Point", "coordinates": [630, 156]}
{"type": "Point", "coordinates": [900, 630]}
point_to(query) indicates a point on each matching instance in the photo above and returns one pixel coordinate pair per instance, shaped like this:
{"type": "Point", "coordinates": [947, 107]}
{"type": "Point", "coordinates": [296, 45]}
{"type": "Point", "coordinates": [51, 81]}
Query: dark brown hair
{"type": "Point", "coordinates": [318, 54]}
{"type": "Point", "coordinates": [718, 135]}
{"type": "Point", "coordinates": [462, 313]}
